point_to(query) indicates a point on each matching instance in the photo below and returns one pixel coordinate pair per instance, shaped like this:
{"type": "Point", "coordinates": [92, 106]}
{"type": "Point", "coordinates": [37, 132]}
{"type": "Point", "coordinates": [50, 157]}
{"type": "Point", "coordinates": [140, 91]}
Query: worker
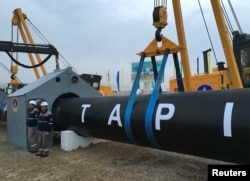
{"type": "Point", "coordinates": [45, 125]}
{"type": "Point", "coordinates": [32, 126]}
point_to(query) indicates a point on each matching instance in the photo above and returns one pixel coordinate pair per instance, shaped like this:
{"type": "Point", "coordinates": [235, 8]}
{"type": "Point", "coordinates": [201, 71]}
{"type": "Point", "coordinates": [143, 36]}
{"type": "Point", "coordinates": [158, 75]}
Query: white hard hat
{"type": "Point", "coordinates": [32, 102]}
{"type": "Point", "coordinates": [44, 104]}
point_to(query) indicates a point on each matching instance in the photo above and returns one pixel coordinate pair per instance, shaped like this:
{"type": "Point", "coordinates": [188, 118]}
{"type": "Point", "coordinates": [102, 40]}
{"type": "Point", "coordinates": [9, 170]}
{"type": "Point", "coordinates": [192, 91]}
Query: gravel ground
{"type": "Point", "coordinates": [103, 161]}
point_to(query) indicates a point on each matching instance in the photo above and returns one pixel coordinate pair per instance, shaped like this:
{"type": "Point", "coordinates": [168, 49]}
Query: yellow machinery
{"type": "Point", "coordinates": [105, 90]}
{"type": "Point", "coordinates": [167, 46]}
{"type": "Point", "coordinates": [220, 78]}
{"type": "Point", "coordinates": [19, 20]}
{"type": "Point", "coordinates": [29, 47]}
{"type": "Point", "coordinates": [206, 81]}
{"type": "Point", "coordinates": [94, 81]}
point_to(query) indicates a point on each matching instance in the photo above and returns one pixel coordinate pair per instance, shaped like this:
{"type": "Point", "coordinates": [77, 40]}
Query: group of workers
{"type": "Point", "coordinates": [40, 126]}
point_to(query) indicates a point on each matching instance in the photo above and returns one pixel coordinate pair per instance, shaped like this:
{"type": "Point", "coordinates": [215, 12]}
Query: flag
{"type": "Point", "coordinates": [122, 86]}
{"type": "Point", "coordinates": [181, 67]}
{"type": "Point", "coordinates": [197, 65]}
{"type": "Point", "coordinates": [107, 78]}
{"type": "Point", "coordinates": [152, 83]}
{"type": "Point", "coordinates": [118, 81]}
{"type": "Point", "coordinates": [209, 61]}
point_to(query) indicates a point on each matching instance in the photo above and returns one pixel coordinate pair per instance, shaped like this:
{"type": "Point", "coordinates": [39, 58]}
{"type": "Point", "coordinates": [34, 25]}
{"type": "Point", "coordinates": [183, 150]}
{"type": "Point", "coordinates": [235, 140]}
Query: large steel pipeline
{"type": "Point", "coordinates": [210, 124]}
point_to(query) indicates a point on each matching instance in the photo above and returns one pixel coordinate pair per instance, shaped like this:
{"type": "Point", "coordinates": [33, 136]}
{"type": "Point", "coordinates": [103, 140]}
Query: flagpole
{"type": "Point", "coordinates": [118, 80]}
{"type": "Point", "coordinates": [197, 65]}
{"type": "Point", "coordinates": [122, 86]}
{"type": "Point", "coordinates": [209, 61]}
{"type": "Point", "coordinates": [108, 79]}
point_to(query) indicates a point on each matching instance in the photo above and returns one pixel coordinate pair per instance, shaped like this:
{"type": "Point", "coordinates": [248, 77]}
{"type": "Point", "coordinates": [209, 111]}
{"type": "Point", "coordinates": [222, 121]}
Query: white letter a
{"type": "Point", "coordinates": [115, 115]}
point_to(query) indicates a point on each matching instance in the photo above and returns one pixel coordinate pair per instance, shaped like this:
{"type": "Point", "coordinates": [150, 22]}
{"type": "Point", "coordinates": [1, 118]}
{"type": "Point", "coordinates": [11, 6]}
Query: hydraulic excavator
{"type": "Point", "coordinates": [237, 51]}
{"type": "Point", "coordinates": [28, 46]}
{"type": "Point", "coordinates": [34, 52]}
{"type": "Point", "coordinates": [19, 19]}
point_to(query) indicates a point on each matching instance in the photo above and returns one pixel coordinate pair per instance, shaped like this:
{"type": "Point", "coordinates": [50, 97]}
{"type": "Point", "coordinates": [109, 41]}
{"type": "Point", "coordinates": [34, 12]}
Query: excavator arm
{"type": "Point", "coordinates": [9, 47]}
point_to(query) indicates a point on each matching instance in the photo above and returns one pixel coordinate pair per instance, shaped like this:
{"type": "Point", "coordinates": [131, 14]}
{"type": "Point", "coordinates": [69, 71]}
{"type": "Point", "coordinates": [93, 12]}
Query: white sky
{"type": "Point", "coordinates": [98, 36]}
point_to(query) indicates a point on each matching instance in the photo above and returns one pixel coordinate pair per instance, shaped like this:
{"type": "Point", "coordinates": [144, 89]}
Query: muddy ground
{"type": "Point", "coordinates": [103, 161]}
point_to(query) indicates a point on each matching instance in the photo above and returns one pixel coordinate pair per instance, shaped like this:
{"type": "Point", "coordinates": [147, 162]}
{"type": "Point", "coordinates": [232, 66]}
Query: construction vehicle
{"type": "Point", "coordinates": [19, 19]}
{"type": "Point", "coordinates": [34, 52]}
{"type": "Point", "coordinates": [94, 80]}
{"type": "Point", "coordinates": [237, 72]}
{"type": "Point", "coordinates": [9, 47]}
{"type": "Point", "coordinates": [28, 46]}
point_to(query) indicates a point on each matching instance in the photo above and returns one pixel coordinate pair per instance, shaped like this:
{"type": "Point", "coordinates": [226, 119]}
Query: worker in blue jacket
{"type": "Point", "coordinates": [45, 127]}
{"type": "Point", "coordinates": [32, 119]}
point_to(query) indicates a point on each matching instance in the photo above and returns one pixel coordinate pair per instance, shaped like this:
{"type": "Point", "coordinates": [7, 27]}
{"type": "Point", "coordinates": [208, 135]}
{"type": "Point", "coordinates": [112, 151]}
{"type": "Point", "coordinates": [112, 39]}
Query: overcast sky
{"type": "Point", "coordinates": [98, 36]}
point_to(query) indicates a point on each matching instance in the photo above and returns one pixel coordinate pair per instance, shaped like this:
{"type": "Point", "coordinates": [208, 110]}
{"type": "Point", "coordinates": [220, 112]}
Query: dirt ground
{"type": "Point", "coordinates": [103, 161]}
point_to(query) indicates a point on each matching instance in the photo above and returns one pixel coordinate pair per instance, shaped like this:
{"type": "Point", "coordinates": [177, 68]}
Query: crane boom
{"type": "Point", "coordinates": [19, 20]}
{"type": "Point", "coordinates": [182, 42]}
{"type": "Point", "coordinates": [234, 76]}
{"type": "Point", "coordinates": [226, 44]}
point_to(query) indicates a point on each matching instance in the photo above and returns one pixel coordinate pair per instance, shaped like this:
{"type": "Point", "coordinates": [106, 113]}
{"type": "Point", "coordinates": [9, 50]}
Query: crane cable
{"type": "Point", "coordinates": [228, 22]}
{"type": "Point", "coordinates": [17, 40]}
{"type": "Point", "coordinates": [212, 47]}
{"type": "Point", "coordinates": [229, 25]}
{"type": "Point", "coordinates": [160, 3]}
{"type": "Point", "coordinates": [45, 40]}
{"type": "Point", "coordinates": [235, 17]}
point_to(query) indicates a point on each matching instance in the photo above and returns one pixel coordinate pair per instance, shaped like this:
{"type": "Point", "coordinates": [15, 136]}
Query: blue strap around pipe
{"type": "Point", "coordinates": [131, 101]}
{"type": "Point", "coordinates": [152, 101]}
{"type": "Point", "coordinates": [178, 73]}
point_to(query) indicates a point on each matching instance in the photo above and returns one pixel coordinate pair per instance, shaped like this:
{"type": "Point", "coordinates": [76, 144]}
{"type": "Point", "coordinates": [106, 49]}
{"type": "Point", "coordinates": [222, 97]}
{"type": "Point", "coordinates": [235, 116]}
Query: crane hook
{"type": "Point", "coordinates": [158, 34]}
